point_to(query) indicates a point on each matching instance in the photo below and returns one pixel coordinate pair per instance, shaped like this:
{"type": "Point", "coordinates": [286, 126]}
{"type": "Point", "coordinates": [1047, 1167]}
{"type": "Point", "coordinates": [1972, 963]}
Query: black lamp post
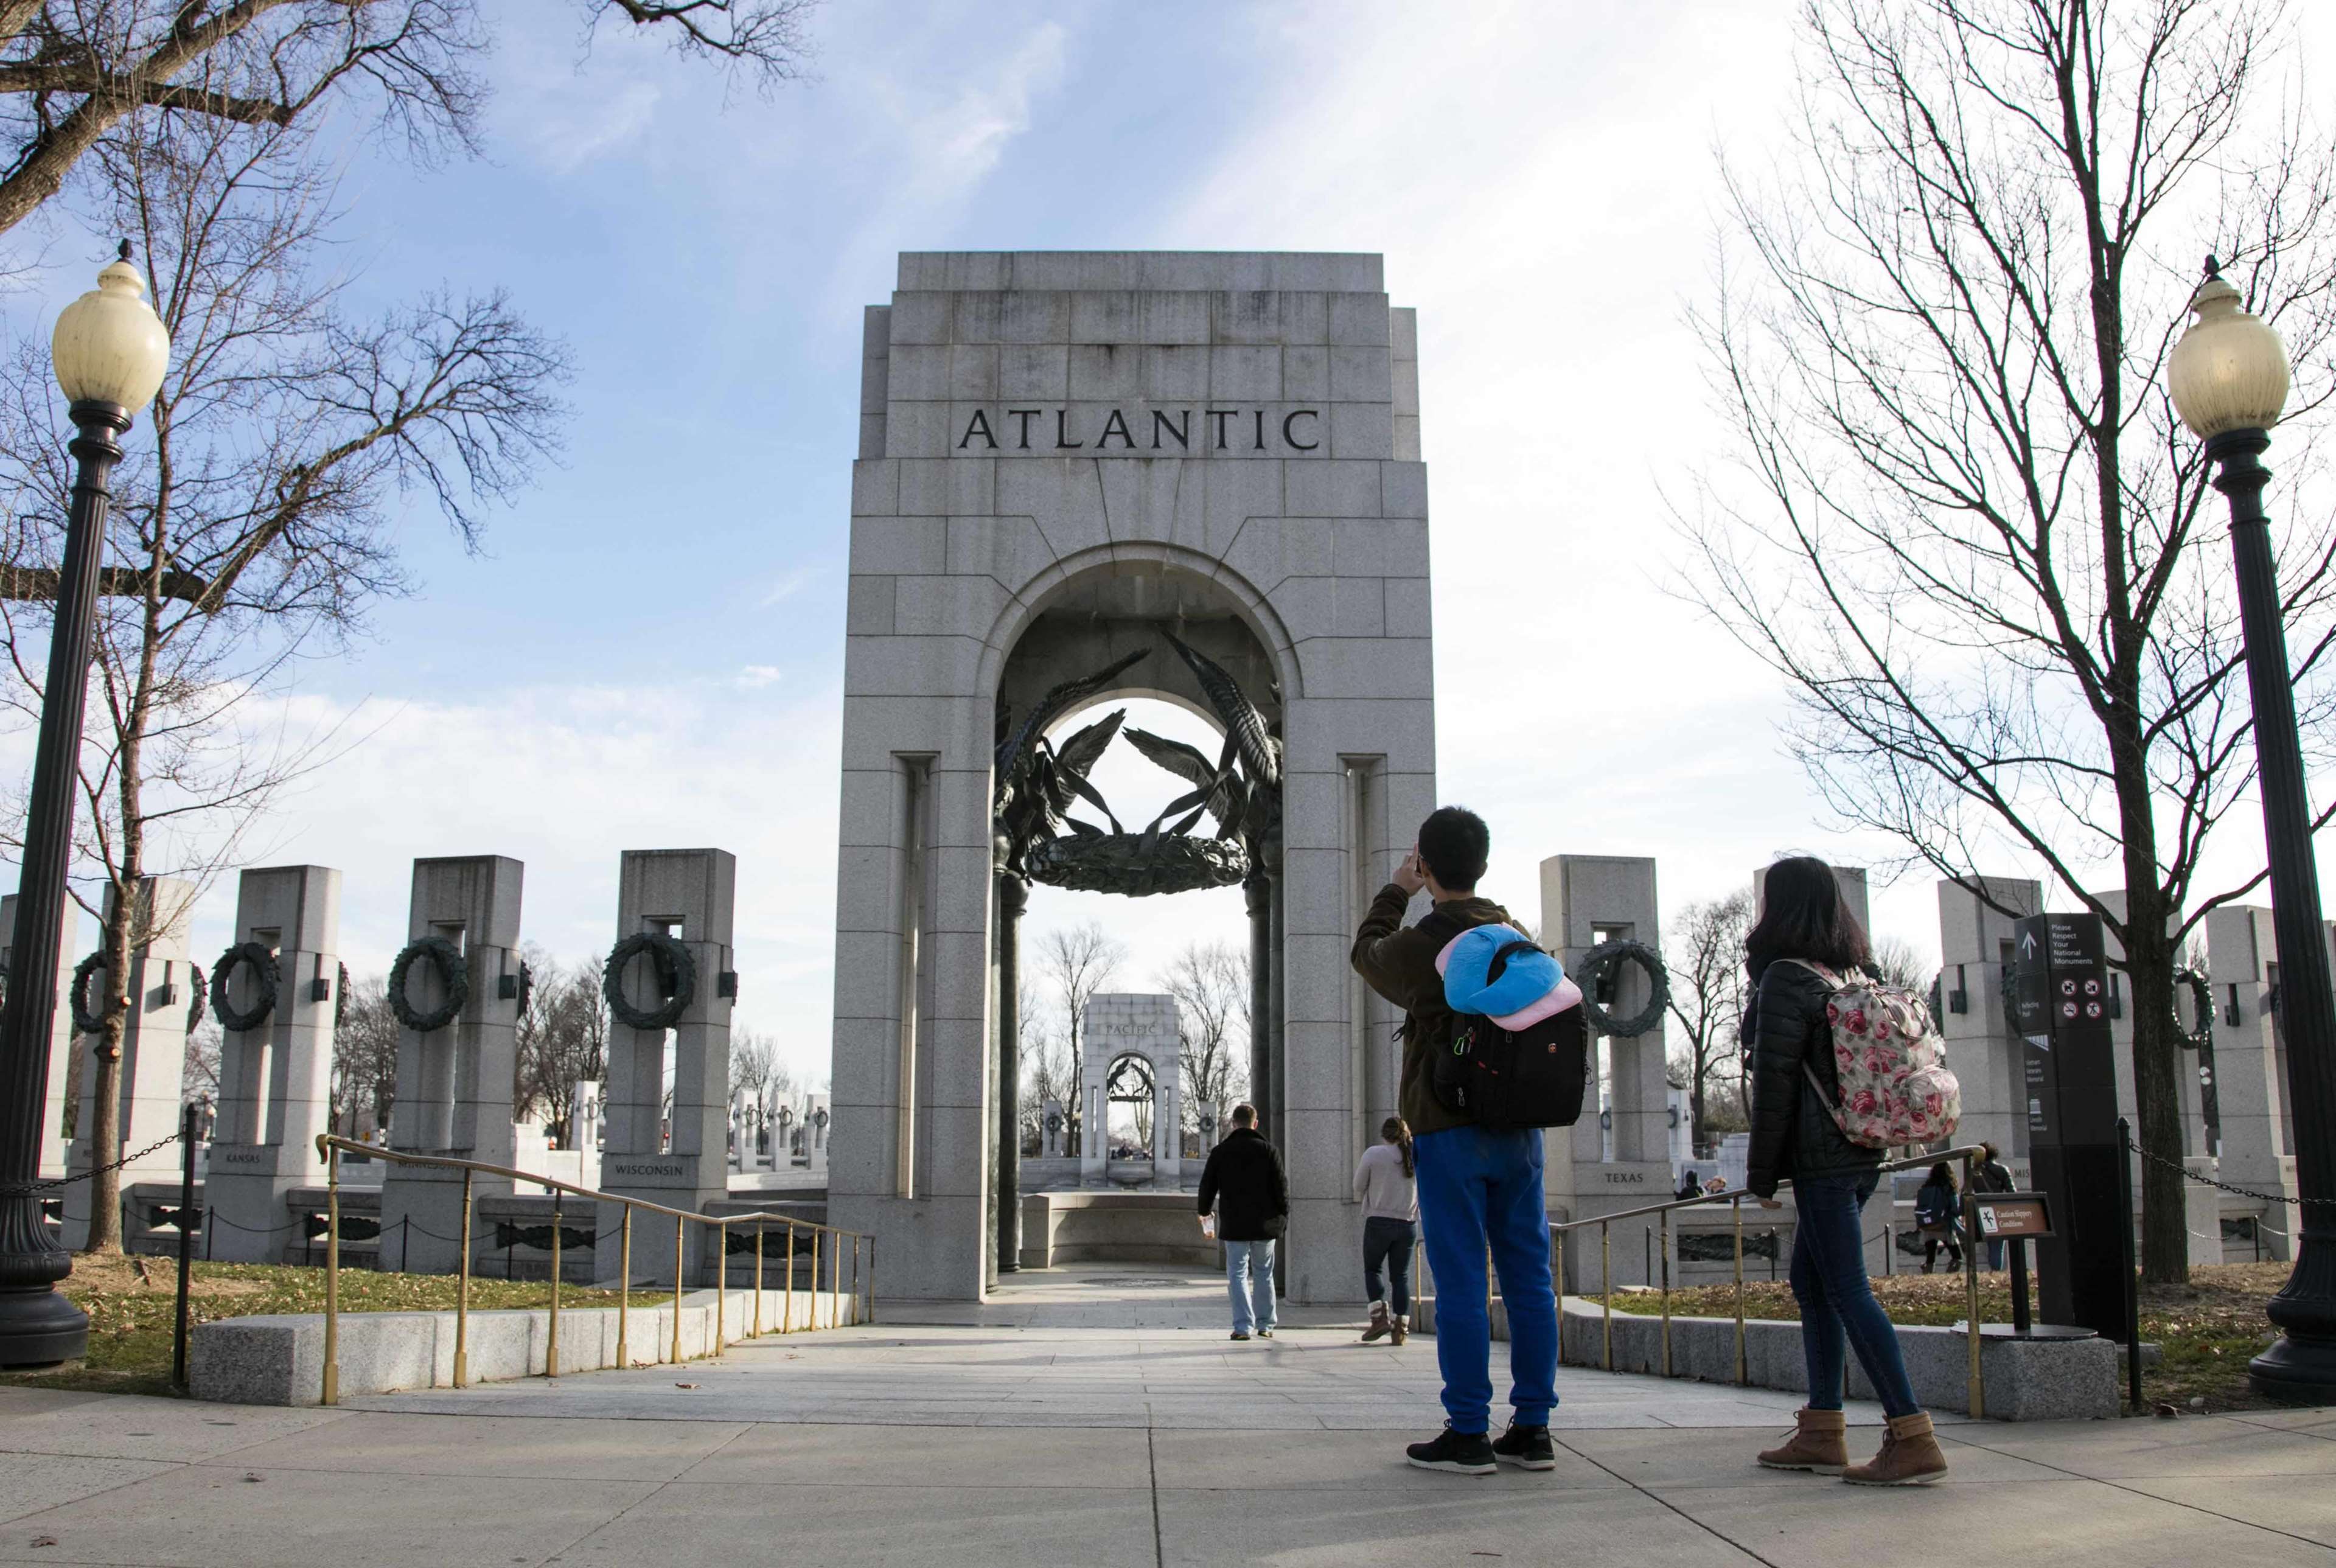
{"type": "Point", "coordinates": [2229, 379]}
{"type": "Point", "coordinates": [110, 352]}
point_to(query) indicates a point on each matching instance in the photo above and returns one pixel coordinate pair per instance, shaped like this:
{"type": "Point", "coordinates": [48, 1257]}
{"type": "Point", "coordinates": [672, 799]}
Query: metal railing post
{"type": "Point", "coordinates": [1606, 1284]}
{"type": "Point", "coordinates": [758, 1282]}
{"type": "Point", "coordinates": [1665, 1218]}
{"type": "Point", "coordinates": [2132, 1294]}
{"type": "Point", "coordinates": [551, 1335]}
{"type": "Point", "coordinates": [462, 1297]}
{"type": "Point", "coordinates": [679, 1244]}
{"type": "Point", "coordinates": [624, 1284]}
{"type": "Point", "coordinates": [722, 1287]}
{"type": "Point", "coordinates": [787, 1311]}
{"type": "Point", "coordinates": [1889, 1251]}
{"type": "Point", "coordinates": [1978, 1385]}
{"type": "Point", "coordinates": [332, 1395]}
{"type": "Point", "coordinates": [1743, 1365]}
{"type": "Point", "coordinates": [855, 1279]}
{"type": "Point", "coordinates": [1557, 1278]}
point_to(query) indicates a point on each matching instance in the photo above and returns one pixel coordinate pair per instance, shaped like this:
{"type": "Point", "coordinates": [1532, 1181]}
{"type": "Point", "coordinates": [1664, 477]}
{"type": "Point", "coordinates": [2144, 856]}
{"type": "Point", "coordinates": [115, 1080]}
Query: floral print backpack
{"type": "Point", "coordinates": [1895, 1089]}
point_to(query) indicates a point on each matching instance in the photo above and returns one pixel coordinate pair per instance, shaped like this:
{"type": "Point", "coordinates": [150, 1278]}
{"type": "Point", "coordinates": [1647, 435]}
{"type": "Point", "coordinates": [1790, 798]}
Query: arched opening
{"type": "Point", "coordinates": [1139, 709]}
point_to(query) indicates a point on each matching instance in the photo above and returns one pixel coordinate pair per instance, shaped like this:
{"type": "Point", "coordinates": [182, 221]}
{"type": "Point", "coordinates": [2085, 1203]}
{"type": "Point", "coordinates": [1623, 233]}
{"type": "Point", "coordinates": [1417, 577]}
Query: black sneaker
{"type": "Point", "coordinates": [1461, 1453]}
{"type": "Point", "coordinates": [1527, 1448]}
{"type": "Point", "coordinates": [1240, 1334]}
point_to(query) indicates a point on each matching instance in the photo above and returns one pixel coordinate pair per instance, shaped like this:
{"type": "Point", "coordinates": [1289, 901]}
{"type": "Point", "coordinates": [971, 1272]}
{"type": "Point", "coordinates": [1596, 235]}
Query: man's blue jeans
{"type": "Point", "coordinates": [1480, 1189]}
{"type": "Point", "coordinates": [1249, 1278]}
{"type": "Point", "coordinates": [1838, 1312]}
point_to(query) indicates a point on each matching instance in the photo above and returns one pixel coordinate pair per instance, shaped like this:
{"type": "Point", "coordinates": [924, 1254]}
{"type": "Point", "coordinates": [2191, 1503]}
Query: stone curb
{"type": "Point", "coordinates": [278, 1358]}
{"type": "Point", "coordinates": [2040, 1380]}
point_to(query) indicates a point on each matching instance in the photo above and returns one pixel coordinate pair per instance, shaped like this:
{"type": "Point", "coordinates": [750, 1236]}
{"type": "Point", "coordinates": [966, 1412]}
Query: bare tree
{"type": "Point", "coordinates": [1705, 956]}
{"type": "Point", "coordinates": [364, 1059]}
{"type": "Point", "coordinates": [253, 524]}
{"type": "Point", "coordinates": [1897, 963]}
{"type": "Point", "coordinates": [564, 1037]}
{"type": "Point", "coordinates": [76, 73]}
{"type": "Point", "coordinates": [1210, 984]}
{"type": "Point", "coordinates": [198, 1074]}
{"type": "Point", "coordinates": [1078, 962]}
{"type": "Point", "coordinates": [1046, 1067]}
{"type": "Point", "coordinates": [755, 1064]}
{"type": "Point", "coordinates": [1968, 531]}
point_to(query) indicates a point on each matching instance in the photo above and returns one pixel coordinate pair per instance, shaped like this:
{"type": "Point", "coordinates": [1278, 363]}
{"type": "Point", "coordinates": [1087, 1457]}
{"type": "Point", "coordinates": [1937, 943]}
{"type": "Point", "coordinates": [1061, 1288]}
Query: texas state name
{"type": "Point", "coordinates": [1168, 430]}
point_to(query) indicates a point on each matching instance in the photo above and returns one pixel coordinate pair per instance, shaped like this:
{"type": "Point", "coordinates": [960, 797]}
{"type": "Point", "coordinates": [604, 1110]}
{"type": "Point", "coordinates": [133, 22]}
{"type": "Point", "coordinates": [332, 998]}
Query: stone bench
{"type": "Point", "coordinates": [1112, 1227]}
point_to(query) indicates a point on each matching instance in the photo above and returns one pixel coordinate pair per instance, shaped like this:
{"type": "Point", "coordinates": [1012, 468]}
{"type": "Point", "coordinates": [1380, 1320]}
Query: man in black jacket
{"type": "Point", "coordinates": [1243, 1182]}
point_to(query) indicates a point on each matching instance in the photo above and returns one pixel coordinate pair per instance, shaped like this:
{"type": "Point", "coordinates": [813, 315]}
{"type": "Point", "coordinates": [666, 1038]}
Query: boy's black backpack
{"type": "Point", "coordinates": [1508, 1081]}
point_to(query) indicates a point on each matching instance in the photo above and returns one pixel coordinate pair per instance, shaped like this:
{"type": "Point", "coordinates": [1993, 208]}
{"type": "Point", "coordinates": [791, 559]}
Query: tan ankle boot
{"type": "Point", "coordinates": [1379, 1327]}
{"type": "Point", "coordinates": [1910, 1456]}
{"type": "Point", "coordinates": [1817, 1444]}
{"type": "Point", "coordinates": [1402, 1329]}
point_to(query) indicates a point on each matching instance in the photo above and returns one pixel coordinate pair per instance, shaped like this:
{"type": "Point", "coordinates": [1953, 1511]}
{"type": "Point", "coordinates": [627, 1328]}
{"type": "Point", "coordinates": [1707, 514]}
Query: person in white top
{"type": "Point", "coordinates": [1383, 1181]}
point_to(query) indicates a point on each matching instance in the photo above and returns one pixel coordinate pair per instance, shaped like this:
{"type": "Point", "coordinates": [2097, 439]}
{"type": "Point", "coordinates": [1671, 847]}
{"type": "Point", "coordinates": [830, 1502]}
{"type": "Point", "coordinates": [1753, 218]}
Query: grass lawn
{"type": "Point", "coordinates": [132, 1304]}
{"type": "Point", "coordinates": [2206, 1330]}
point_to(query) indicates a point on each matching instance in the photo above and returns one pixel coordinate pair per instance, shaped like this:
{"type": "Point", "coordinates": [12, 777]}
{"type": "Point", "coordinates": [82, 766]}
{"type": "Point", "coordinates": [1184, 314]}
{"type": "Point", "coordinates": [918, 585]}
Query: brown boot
{"type": "Point", "coordinates": [1402, 1328]}
{"type": "Point", "coordinates": [1379, 1327]}
{"type": "Point", "coordinates": [1816, 1445]}
{"type": "Point", "coordinates": [1910, 1456]}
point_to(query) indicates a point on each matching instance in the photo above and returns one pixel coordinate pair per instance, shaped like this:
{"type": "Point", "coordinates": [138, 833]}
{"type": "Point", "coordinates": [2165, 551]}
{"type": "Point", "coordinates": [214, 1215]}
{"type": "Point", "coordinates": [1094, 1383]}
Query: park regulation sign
{"type": "Point", "coordinates": [2060, 1007]}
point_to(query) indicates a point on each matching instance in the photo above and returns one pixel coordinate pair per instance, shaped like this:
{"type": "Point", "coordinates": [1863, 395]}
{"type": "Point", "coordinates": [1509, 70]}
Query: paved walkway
{"type": "Point", "coordinates": [1100, 1418]}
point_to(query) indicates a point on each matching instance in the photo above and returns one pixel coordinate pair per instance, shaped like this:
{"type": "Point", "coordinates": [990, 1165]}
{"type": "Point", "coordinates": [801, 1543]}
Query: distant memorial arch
{"type": "Point", "coordinates": [1083, 477]}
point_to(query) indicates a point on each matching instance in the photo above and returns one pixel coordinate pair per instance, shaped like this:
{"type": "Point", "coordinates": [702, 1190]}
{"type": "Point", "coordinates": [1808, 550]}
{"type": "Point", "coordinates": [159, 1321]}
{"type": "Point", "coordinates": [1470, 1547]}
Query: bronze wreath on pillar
{"type": "Point", "coordinates": [1606, 960]}
{"type": "Point", "coordinates": [84, 1021]}
{"type": "Point", "coordinates": [453, 973]}
{"type": "Point", "coordinates": [677, 974]}
{"type": "Point", "coordinates": [263, 967]}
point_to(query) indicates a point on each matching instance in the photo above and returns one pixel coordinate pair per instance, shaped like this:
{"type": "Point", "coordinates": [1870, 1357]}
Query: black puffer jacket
{"type": "Point", "coordinates": [1793, 1132]}
{"type": "Point", "coordinates": [1244, 1182]}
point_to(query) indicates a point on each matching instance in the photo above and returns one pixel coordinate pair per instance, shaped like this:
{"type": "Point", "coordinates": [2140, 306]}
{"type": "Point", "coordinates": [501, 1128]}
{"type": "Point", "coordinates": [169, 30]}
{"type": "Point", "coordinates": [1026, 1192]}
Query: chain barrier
{"type": "Point", "coordinates": [24, 1189]}
{"type": "Point", "coordinates": [2188, 1175]}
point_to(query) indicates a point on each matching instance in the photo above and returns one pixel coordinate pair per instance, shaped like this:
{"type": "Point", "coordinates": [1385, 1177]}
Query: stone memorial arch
{"type": "Point", "coordinates": [1089, 476]}
{"type": "Point", "coordinates": [1123, 1030]}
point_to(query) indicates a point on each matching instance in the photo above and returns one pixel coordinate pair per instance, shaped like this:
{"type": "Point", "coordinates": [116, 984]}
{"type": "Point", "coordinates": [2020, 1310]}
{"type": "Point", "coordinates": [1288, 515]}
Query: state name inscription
{"type": "Point", "coordinates": [1092, 428]}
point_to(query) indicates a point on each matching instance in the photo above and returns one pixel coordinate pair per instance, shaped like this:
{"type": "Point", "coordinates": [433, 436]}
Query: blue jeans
{"type": "Point", "coordinates": [1249, 1278]}
{"type": "Point", "coordinates": [1386, 1243]}
{"type": "Point", "coordinates": [1838, 1312]}
{"type": "Point", "coordinates": [1479, 1190]}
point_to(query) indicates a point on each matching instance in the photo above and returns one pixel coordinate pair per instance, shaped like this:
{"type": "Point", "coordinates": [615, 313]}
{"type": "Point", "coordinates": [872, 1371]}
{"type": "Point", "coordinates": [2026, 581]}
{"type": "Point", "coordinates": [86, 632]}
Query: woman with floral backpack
{"type": "Point", "coordinates": [1804, 946]}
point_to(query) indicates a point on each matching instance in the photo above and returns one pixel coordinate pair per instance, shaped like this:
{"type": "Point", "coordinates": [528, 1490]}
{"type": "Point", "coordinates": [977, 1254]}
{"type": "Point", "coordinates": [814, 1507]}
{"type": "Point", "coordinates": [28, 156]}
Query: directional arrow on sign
{"type": "Point", "coordinates": [2028, 946]}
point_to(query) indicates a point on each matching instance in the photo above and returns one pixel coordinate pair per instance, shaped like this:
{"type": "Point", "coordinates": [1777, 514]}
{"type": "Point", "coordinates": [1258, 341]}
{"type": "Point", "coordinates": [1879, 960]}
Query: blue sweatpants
{"type": "Point", "coordinates": [1479, 1190]}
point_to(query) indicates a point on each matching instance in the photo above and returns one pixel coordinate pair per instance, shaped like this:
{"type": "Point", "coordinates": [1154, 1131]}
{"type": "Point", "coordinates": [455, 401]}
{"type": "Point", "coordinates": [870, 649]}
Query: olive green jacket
{"type": "Point", "coordinates": [1399, 963]}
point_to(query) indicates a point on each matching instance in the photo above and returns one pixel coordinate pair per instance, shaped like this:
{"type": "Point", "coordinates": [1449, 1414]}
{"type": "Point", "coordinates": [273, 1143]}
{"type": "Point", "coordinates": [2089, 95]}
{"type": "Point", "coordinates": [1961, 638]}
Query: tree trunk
{"type": "Point", "coordinates": [2157, 1097]}
{"type": "Point", "coordinates": [105, 1115]}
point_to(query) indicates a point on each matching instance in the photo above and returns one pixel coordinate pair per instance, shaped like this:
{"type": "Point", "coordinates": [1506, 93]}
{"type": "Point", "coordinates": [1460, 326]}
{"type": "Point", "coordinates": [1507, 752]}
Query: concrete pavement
{"type": "Point", "coordinates": [1100, 1418]}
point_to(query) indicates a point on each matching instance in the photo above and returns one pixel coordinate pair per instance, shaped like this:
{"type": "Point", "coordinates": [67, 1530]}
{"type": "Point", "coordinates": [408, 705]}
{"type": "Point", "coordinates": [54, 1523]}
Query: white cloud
{"type": "Point", "coordinates": [788, 584]}
{"type": "Point", "coordinates": [564, 780]}
{"type": "Point", "coordinates": [755, 677]}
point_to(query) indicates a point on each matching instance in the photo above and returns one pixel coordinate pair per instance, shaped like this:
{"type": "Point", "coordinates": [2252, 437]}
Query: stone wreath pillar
{"type": "Point", "coordinates": [671, 971]}
{"type": "Point", "coordinates": [280, 988]}
{"type": "Point", "coordinates": [455, 1051]}
{"type": "Point", "coordinates": [1587, 900]}
{"type": "Point", "coordinates": [153, 1047]}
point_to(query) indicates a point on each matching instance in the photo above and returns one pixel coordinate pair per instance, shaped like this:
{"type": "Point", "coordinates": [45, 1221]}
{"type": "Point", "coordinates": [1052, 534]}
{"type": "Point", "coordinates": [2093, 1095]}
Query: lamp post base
{"type": "Point", "coordinates": [2299, 1366]}
{"type": "Point", "coordinates": [40, 1327]}
{"type": "Point", "coordinates": [2296, 1370]}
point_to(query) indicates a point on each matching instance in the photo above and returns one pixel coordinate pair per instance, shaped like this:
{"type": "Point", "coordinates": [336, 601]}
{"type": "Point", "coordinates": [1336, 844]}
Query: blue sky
{"type": "Point", "coordinates": [649, 651]}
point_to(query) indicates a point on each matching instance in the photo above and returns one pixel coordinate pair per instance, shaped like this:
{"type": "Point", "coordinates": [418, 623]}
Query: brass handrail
{"type": "Point", "coordinates": [1969, 1154]}
{"type": "Point", "coordinates": [330, 1146]}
